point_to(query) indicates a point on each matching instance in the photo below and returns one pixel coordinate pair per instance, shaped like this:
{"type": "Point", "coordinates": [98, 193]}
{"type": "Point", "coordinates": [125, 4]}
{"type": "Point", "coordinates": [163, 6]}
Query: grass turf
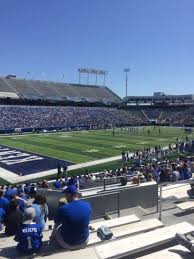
{"type": "Point", "coordinates": [85, 146]}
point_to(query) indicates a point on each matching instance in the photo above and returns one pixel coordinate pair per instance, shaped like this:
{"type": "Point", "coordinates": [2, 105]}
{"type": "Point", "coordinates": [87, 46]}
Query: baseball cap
{"type": "Point", "coordinates": [29, 215]}
{"type": "Point", "coordinates": [71, 189]}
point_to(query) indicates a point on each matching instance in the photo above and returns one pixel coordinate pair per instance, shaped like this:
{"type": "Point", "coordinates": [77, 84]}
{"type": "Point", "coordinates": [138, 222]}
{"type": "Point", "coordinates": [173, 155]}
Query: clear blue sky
{"type": "Point", "coordinates": [48, 38]}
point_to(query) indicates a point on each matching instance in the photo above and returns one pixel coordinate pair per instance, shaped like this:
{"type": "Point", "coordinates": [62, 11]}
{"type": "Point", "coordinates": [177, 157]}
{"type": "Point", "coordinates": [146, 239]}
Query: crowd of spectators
{"type": "Point", "coordinates": [12, 117]}
{"type": "Point", "coordinates": [148, 164]}
{"type": "Point", "coordinates": [42, 117]}
{"type": "Point", "coordinates": [172, 115]}
{"type": "Point", "coordinates": [24, 213]}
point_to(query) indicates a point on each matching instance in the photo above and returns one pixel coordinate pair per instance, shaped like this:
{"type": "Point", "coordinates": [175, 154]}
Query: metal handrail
{"type": "Point", "coordinates": [117, 178]}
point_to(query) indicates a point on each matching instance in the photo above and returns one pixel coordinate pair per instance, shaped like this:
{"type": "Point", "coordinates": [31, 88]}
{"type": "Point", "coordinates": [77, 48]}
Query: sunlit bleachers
{"type": "Point", "coordinates": [6, 90]}
{"type": "Point", "coordinates": [46, 90]}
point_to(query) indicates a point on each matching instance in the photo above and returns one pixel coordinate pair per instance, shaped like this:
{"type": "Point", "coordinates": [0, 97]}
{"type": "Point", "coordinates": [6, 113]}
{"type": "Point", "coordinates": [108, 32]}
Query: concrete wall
{"type": "Point", "coordinates": [144, 195]}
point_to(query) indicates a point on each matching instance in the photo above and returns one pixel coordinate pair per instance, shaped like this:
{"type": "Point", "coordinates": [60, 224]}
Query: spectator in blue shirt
{"type": "Point", "coordinates": [71, 229]}
{"type": "Point", "coordinates": [27, 189]}
{"type": "Point", "coordinates": [22, 202]}
{"type": "Point", "coordinates": [2, 217]}
{"type": "Point", "coordinates": [72, 180]}
{"type": "Point", "coordinates": [181, 172]}
{"type": "Point", "coordinates": [57, 184]}
{"type": "Point", "coordinates": [29, 235]}
{"type": "Point", "coordinates": [22, 195]}
{"type": "Point", "coordinates": [41, 210]}
{"type": "Point", "coordinates": [32, 193]}
{"type": "Point", "coordinates": [187, 174]}
{"type": "Point", "coordinates": [10, 191]}
{"type": "Point", "coordinates": [4, 203]}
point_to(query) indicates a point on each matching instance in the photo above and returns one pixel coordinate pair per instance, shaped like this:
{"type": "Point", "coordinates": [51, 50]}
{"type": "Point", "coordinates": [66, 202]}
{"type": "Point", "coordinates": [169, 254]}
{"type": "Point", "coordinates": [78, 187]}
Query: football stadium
{"type": "Point", "coordinates": [106, 147]}
{"type": "Point", "coordinates": [89, 135]}
{"type": "Point", "coordinates": [98, 165]}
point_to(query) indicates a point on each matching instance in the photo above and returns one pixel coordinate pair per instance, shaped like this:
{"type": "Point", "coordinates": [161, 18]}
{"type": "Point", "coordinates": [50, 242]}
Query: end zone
{"type": "Point", "coordinates": [16, 163]}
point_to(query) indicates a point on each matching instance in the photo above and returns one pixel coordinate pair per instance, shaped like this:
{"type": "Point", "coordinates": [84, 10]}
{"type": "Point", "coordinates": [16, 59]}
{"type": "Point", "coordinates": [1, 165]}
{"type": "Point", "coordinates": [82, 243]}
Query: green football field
{"type": "Point", "coordinates": [85, 146]}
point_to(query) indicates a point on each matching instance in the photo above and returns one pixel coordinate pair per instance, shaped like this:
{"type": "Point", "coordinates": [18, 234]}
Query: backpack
{"type": "Point", "coordinates": [104, 233]}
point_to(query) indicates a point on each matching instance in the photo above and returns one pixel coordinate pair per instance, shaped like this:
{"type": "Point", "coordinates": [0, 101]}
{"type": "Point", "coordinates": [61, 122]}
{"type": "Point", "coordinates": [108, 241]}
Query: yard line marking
{"type": "Point", "coordinates": [92, 151]}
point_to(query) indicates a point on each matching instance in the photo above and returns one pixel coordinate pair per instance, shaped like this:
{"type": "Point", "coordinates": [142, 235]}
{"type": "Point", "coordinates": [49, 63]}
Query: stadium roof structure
{"type": "Point", "coordinates": [55, 91]}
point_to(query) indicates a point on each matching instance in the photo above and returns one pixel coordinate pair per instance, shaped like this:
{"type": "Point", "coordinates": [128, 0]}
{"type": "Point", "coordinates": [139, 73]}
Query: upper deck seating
{"type": "Point", "coordinates": [36, 89]}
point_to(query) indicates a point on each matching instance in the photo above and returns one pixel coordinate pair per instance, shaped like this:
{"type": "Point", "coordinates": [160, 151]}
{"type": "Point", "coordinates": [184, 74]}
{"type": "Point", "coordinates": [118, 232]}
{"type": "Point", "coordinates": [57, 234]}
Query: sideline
{"type": "Point", "coordinates": [14, 178]}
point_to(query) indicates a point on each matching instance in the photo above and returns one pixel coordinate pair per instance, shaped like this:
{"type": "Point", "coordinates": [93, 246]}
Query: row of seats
{"type": "Point", "coordinates": [170, 115]}
{"type": "Point", "coordinates": [51, 116]}
{"type": "Point", "coordinates": [34, 89]}
{"type": "Point", "coordinates": [131, 236]}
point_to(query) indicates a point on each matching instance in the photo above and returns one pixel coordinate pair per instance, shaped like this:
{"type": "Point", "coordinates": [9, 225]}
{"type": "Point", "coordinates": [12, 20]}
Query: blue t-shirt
{"type": "Point", "coordinates": [10, 192]}
{"type": "Point", "coordinates": [27, 189]}
{"type": "Point", "coordinates": [4, 204]}
{"type": "Point", "coordinates": [57, 184]}
{"type": "Point", "coordinates": [2, 215]}
{"type": "Point", "coordinates": [187, 174]}
{"type": "Point", "coordinates": [22, 205]}
{"type": "Point", "coordinates": [181, 175]}
{"type": "Point", "coordinates": [29, 238]}
{"type": "Point", "coordinates": [75, 219]}
{"type": "Point", "coordinates": [73, 181]}
{"type": "Point", "coordinates": [23, 197]}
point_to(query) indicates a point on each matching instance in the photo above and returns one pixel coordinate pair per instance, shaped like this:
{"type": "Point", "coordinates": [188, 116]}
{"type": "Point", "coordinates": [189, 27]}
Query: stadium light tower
{"type": "Point", "coordinates": [126, 70]}
{"type": "Point", "coordinates": [92, 71]}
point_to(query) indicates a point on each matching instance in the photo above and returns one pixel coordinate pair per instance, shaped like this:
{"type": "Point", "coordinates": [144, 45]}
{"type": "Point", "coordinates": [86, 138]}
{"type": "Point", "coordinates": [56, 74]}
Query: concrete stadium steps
{"type": "Point", "coordinates": [115, 222]}
{"type": "Point", "coordinates": [112, 223]}
{"type": "Point", "coordinates": [131, 245]}
{"type": "Point", "coordinates": [135, 242]}
{"type": "Point", "coordinates": [6, 239]}
{"type": "Point", "coordinates": [119, 232]}
{"type": "Point", "coordinates": [174, 252]}
{"type": "Point", "coordinates": [178, 191]}
{"type": "Point", "coordinates": [129, 230]}
{"type": "Point", "coordinates": [188, 205]}
{"type": "Point", "coordinates": [87, 253]}
{"type": "Point", "coordinates": [46, 234]}
{"type": "Point", "coordinates": [125, 222]}
{"type": "Point", "coordinates": [57, 91]}
{"type": "Point", "coordinates": [134, 228]}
